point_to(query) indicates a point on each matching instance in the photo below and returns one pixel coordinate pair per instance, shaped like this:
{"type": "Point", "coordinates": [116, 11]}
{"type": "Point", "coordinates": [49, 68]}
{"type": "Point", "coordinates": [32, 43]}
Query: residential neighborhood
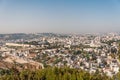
{"type": "Point", "coordinates": [89, 52]}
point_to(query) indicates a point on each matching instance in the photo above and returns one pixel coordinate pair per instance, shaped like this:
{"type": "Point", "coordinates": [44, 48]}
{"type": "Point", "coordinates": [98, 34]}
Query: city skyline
{"type": "Point", "coordinates": [59, 16]}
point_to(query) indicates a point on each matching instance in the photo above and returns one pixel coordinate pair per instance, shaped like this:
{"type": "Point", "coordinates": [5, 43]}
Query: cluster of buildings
{"type": "Point", "coordinates": [90, 52]}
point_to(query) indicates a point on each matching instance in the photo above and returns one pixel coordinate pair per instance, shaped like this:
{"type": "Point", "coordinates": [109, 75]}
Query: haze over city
{"type": "Point", "coordinates": [59, 16]}
{"type": "Point", "coordinates": [59, 39]}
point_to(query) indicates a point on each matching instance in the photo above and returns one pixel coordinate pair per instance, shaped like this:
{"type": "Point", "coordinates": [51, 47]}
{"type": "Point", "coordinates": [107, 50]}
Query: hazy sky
{"type": "Point", "coordinates": [62, 16]}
